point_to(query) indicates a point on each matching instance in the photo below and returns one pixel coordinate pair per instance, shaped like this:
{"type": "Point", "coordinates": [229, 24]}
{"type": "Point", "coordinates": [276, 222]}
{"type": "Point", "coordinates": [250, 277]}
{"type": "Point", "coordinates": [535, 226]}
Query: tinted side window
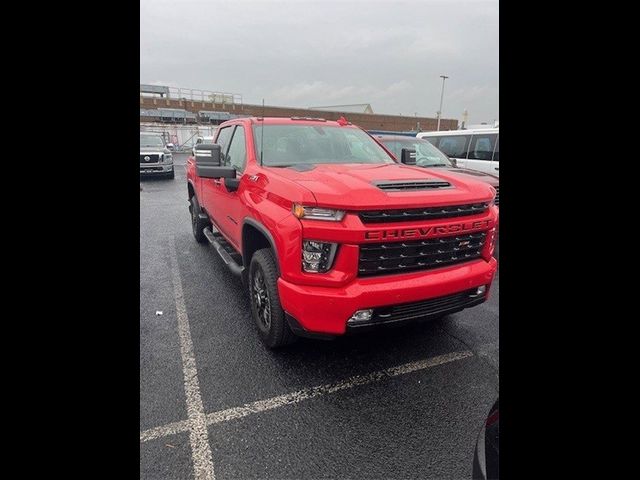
{"type": "Point", "coordinates": [496, 153]}
{"type": "Point", "coordinates": [223, 140]}
{"type": "Point", "coordinates": [237, 156]}
{"type": "Point", "coordinates": [454, 146]}
{"type": "Point", "coordinates": [482, 146]}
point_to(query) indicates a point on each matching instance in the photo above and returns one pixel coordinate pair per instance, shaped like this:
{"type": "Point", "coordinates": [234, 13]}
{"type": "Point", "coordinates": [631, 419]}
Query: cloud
{"type": "Point", "coordinates": [319, 93]}
{"type": "Point", "coordinates": [303, 53]}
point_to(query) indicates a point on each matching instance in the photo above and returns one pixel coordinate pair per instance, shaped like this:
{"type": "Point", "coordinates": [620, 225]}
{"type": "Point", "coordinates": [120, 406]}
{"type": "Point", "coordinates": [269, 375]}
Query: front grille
{"type": "Point", "coordinates": [153, 158]}
{"type": "Point", "coordinates": [403, 186]}
{"type": "Point", "coordinates": [425, 308]}
{"type": "Point", "coordinates": [497, 195]}
{"type": "Point", "coordinates": [401, 257]}
{"type": "Point", "coordinates": [427, 213]}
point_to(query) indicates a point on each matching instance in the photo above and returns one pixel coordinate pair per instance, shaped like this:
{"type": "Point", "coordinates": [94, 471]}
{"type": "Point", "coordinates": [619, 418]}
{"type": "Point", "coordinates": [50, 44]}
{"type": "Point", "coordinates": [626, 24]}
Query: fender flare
{"type": "Point", "coordinates": [262, 229]}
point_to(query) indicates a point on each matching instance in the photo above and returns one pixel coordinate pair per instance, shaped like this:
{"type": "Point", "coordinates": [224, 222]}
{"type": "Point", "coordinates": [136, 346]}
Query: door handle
{"type": "Point", "coordinates": [497, 168]}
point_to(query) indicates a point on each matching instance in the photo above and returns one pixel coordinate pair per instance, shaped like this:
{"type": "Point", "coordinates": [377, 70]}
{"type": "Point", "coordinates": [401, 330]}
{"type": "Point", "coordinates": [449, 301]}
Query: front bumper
{"type": "Point", "coordinates": [325, 310]}
{"type": "Point", "coordinates": [157, 169]}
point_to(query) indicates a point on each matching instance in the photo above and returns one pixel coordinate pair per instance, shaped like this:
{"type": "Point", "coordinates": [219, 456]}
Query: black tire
{"type": "Point", "coordinates": [172, 175]}
{"type": "Point", "coordinates": [197, 224]}
{"type": "Point", "coordinates": [266, 309]}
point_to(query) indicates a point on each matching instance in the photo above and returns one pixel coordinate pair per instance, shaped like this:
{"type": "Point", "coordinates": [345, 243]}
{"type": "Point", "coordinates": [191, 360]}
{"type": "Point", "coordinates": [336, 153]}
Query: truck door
{"type": "Point", "coordinates": [231, 208]}
{"type": "Point", "coordinates": [209, 187]}
{"type": "Point", "coordinates": [481, 152]}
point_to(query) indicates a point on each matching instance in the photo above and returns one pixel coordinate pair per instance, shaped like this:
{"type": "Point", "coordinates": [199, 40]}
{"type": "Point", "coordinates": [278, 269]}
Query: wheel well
{"type": "Point", "coordinates": [252, 240]}
{"type": "Point", "coordinates": [190, 190]}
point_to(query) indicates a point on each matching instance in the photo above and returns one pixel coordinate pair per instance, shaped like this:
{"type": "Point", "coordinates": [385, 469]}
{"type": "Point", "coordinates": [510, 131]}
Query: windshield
{"type": "Point", "coordinates": [286, 145]}
{"type": "Point", "coordinates": [151, 141]}
{"type": "Point", "coordinates": [426, 154]}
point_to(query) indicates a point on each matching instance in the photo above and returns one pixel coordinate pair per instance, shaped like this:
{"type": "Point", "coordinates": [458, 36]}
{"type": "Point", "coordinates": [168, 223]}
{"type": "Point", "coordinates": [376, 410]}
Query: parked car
{"type": "Point", "coordinates": [477, 149]}
{"type": "Point", "coordinates": [429, 156]}
{"type": "Point", "coordinates": [331, 235]}
{"type": "Point", "coordinates": [155, 157]}
{"type": "Point", "coordinates": [486, 460]}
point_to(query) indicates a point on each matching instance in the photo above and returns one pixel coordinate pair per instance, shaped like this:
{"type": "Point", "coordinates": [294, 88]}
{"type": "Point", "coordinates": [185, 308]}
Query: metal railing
{"type": "Point", "coordinates": [193, 94]}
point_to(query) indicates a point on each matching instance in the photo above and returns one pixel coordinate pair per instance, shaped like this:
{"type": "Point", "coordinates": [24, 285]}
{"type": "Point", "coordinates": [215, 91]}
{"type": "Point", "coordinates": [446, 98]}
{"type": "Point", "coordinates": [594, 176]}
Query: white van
{"type": "Point", "coordinates": [477, 149]}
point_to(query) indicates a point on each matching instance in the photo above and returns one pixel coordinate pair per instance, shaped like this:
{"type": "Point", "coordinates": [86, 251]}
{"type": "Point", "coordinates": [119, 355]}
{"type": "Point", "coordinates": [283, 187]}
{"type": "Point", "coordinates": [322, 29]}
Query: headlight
{"type": "Point", "coordinates": [317, 213]}
{"type": "Point", "coordinates": [317, 257]}
{"type": "Point", "coordinates": [492, 202]}
{"type": "Point", "coordinates": [168, 158]}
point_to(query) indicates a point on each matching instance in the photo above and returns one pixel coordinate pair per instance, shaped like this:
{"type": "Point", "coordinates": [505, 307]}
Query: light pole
{"type": "Point", "coordinates": [443, 77]}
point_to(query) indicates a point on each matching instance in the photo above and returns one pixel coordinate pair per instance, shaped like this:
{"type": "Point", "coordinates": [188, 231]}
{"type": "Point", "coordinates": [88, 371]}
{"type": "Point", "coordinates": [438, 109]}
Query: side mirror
{"type": "Point", "coordinates": [408, 156]}
{"type": "Point", "coordinates": [208, 162]}
{"type": "Point", "coordinates": [171, 146]}
{"type": "Point", "coordinates": [453, 161]}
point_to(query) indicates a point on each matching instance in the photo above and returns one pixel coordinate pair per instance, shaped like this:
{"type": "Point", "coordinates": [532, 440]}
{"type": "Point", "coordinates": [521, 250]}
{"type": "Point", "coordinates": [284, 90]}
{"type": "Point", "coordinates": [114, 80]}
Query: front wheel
{"type": "Point", "coordinates": [266, 309]}
{"type": "Point", "coordinates": [197, 223]}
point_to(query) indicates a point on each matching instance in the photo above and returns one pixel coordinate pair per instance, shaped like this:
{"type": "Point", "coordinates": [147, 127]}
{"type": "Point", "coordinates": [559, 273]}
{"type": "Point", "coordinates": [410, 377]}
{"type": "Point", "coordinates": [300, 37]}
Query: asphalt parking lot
{"type": "Point", "coordinates": [214, 403]}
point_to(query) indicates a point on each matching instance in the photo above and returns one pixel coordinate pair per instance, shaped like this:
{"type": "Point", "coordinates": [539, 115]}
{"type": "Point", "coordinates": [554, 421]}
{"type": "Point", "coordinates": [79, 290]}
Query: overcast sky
{"type": "Point", "coordinates": [311, 53]}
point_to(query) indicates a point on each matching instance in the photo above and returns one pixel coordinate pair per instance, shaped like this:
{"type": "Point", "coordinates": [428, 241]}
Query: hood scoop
{"type": "Point", "coordinates": [411, 185]}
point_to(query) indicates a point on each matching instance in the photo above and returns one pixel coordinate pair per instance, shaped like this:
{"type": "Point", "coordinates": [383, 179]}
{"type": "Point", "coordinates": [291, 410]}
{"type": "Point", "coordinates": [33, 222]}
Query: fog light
{"type": "Point", "coordinates": [317, 257]}
{"type": "Point", "coordinates": [480, 291]}
{"type": "Point", "coordinates": [361, 316]}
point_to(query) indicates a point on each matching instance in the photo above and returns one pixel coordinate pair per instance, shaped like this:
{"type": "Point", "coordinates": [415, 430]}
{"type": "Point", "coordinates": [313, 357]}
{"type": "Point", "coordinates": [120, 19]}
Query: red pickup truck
{"type": "Point", "coordinates": [331, 234]}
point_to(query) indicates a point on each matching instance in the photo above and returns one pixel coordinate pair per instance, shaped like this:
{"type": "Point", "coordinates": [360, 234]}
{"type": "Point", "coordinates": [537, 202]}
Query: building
{"type": "Point", "coordinates": [214, 108]}
{"type": "Point", "coordinates": [353, 108]}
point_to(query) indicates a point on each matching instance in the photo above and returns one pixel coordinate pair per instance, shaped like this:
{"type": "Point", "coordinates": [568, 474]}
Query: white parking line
{"type": "Point", "coordinates": [305, 394]}
{"type": "Point", "coordinates": [300, 395]}
{"type": "Point", "coordinates": [198, 435]}
{"type": "Point", "coordinates": [164, 431]}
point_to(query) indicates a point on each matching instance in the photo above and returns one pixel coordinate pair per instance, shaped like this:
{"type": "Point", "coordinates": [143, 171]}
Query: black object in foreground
{"type": "Point", "coordinates": [486, 461]}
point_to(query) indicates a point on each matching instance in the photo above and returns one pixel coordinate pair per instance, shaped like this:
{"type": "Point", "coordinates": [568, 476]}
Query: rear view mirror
{"type": "Point", "coordinates": [408, 156]}
{"type": "Point", "coordinates": [208, 162]}
{"type": "Point", "coordinates": [207, 157]}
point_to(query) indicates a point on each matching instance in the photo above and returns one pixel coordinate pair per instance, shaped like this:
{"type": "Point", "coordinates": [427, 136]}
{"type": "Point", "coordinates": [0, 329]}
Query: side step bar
{"type": "Point", "coordinates": [223, 247]}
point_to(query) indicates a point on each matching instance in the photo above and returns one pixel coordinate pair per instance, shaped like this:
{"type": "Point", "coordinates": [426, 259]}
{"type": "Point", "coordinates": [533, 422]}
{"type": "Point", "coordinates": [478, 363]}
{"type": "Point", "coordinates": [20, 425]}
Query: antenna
{"type": "Point", "coordinates": [262, 132]}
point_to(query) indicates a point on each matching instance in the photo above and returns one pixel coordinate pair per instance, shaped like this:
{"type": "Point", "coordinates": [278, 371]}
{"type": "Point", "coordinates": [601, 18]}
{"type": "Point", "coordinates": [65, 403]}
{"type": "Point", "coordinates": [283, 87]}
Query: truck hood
{"type": "Point", "coordinates": [467, 173]}
{"type": "Point", "coordinates": [352, 186]}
